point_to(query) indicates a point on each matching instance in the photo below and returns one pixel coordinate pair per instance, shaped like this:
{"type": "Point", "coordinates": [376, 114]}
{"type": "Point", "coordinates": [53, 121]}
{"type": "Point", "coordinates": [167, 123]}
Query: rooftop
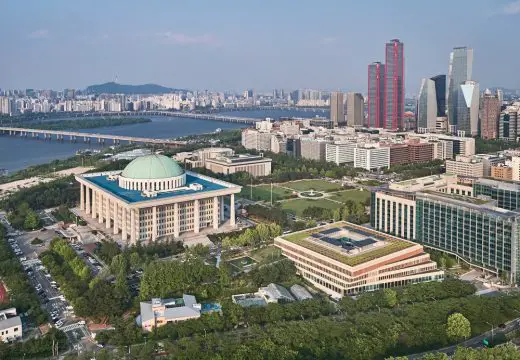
{"type": "Point", "coordinates": [237, 159]}
{"type": "Point", "coordinates": [133, 196]}
{"type": "Point", "coordinates": [152, 167]}
{"type": "Point", "coordinates": [359, 246]}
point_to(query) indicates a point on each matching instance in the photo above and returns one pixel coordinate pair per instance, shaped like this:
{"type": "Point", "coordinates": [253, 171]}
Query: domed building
{"type": "Point", "coordinates": [153, 198]}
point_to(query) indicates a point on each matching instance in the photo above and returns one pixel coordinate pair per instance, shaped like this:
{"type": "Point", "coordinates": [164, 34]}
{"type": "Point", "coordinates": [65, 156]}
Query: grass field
{"type": "Point", "coordinates": [318, 185]}
{"type": "Point", "coordinates": [263, 193]}
{"type": "Point", "coordinates": [297, 206]}
{"type": "Point", "coordinates": [354, 195]}
{"type": "Point", "coordinates": [268, 253]}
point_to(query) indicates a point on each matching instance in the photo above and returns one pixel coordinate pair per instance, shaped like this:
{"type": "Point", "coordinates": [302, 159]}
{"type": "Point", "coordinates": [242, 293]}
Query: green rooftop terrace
{"type": "Point", "coordinates": [305, 240]}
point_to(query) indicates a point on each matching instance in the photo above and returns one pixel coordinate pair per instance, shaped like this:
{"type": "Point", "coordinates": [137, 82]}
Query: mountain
{"type": "Point", "coordinates": [115, 88]}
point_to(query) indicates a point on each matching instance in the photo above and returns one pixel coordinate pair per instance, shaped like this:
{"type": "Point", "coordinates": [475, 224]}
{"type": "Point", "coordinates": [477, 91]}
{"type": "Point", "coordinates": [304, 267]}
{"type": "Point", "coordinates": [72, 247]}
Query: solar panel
{"type": "Point", "coordinates": [329, 231]}
{"type": "Point", "coordinates": [316, 236]}
{"type": "Point", "coordinates": [364, 242]}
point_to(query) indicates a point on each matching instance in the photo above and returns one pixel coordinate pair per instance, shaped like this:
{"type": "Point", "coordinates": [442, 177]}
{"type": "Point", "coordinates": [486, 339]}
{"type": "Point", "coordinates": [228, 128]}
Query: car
{"type": "Point", "coordinates": [59, 323]}
{"type": "Point", "coordinates": [82, 322]}
{"type": "Point", "coordinates": [23, 258]}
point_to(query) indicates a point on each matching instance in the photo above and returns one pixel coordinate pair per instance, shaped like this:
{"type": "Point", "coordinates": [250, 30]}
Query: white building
{"type": "Point", "coordinates": [10, 325]}
{"type": "Point", "coordinates": [468, 107]}
{"type": "Point", "coordinates": [257, 140]}
{"type": "Point", "coordinates": [340, 153]}
{"type": "Point", "coordinates": [465, 166]}
{"type": "Point", "coordinates": [159, 312]}
{"type": "Point", "coordinates": [153, 198]}
{"type": "Point", "coordinates": [256, 165]}
{"type": "Point", "coordinates": [371, 157]}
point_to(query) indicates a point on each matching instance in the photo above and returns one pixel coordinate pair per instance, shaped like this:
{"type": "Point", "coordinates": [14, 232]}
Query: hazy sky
{"type": "Point", "coordinates": [232, 45]}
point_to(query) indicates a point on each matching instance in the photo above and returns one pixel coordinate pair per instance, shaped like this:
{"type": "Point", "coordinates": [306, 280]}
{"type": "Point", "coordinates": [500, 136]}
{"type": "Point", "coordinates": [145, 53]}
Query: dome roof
{"type": "Point", "coordinates": [152, 167]}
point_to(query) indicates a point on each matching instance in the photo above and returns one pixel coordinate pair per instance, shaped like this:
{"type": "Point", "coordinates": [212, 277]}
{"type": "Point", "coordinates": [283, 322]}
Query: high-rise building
{"type": "Point", "coordinates": [460, 70]}
{"type": "Point", "coordinates": [427, 106]}
{"type": "Point", "coordinates": [489, 115]}
{"type": "Point", "coordinates": [376, 98]}
{"type": "Point", "coordinates": [467, 108]}
{"type": "Point", "coordinates": [337, 109]}
{"type": "Point", "coordinates": [394, 85]}
{"type": "Point", "coordinates": [355, 109]}
{"type": "Point", "coordinates": [500, 95]}
{"type": "Point", "coordinates": [440, 94]}
{"type": "Point", "coordinates": [508, 124]}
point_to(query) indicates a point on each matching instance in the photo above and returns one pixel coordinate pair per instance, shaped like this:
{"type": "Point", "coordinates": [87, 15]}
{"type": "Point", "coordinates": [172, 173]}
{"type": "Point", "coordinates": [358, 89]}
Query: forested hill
{"type": "Point", "coordinates": [115, 88]}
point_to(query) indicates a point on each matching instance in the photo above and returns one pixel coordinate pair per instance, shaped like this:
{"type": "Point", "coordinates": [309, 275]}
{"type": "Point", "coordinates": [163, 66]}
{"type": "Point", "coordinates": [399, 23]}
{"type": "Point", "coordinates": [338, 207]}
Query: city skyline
{"type": "Point", "coordinates": [62, 45]}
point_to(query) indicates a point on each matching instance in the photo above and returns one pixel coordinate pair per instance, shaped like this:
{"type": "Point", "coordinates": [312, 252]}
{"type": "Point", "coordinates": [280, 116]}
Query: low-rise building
{"type": "Point", "coordinates": [10, 325]}
{"type": "Point", "coordinates": [256, 165]}
{"type": "Point", "coordinates": [465, 166]}
{"type": "Point", "coordinates": [501, 172]}
{"type": "Point", "coordinates": [346, 259]}
{"type": "Point", "coordinates": [159, 312]}
{"type": "Point", "coordinates": [198, 157]}
{"type": "Point", "coordinates": [340, 152]}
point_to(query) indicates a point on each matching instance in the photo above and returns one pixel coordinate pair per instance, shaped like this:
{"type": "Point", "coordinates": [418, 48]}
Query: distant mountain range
{"type": "Point", "coordinates": [115, 88]}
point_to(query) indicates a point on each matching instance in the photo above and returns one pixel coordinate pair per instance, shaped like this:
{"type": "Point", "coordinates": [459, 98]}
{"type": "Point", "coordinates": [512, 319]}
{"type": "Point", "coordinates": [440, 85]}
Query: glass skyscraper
{"type": "Point", "coordinates": [427, 105]}
{"type": "Point", "coordinates": [376, 83]}
{"type": "Point", "coordinates": [460, 70]}
{"type": "Point", "coordinates": [440, 94]}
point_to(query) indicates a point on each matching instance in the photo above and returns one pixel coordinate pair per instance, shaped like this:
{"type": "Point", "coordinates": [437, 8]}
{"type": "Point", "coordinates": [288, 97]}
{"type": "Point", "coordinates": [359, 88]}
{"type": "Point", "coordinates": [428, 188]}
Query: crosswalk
{"type": "Point", "coordinates": [71, 327]}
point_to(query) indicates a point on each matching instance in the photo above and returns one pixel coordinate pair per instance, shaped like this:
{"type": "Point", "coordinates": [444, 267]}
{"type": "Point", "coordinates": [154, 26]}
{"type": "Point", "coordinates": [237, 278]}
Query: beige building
{"type": "Point", "coordinates": [502, 172]}
{"type": "Point", "coordinates": [197, 158]}
{"type": "Point", "coordinates": [253, 164]}
{"type": "Point", "coordinates": [337, 109]}
{"type": "Point", "coordinates": [465, 166]}
{"type": "Point", "coordinates": [355, 109]}
{"type": "Point", "coordinates": [515, 164]}
{"type": "Point", "coordinates": [10, 325]}
{"type": "Point", "coordinates": [256, 139]}
{"type": "Point", "coordinates": [159, 312]}
{"type": "Point", "coordinates": [154, 198]}
{"type": "Point", "coordinates": [346, 259]}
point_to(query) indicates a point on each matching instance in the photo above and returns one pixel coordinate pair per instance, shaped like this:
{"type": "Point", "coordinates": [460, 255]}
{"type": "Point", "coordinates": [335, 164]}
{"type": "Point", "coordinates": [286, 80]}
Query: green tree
{"type": "Point", "coordinates": [32, 221]}
{"type": "Point", "coordinates": [458, 327]}
{"type": "Point", "coordinates": [390, 297]}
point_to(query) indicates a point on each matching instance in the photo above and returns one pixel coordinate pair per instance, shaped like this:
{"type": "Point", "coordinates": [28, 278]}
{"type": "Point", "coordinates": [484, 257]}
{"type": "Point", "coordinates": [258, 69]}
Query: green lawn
{"type": "Point", "coordinates": [354, 195]}
{"type": "Point", "coordinates": [318, 185]}
{"type": "Point", "coordinates": [268, 253]}
{"type": "Point", "coordinates": [297, 206]}
{"type": "Point", "coordinates": [263, 193]}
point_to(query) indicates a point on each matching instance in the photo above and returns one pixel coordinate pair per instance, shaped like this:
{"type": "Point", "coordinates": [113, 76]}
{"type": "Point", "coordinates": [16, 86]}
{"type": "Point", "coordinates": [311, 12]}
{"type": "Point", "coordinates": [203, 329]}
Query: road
{"type": "Point", "coordinates": [475, 342]}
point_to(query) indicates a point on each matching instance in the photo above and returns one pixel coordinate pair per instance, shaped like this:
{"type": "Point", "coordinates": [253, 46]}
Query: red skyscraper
{"type": "Point", "coordinates": [394, 85]}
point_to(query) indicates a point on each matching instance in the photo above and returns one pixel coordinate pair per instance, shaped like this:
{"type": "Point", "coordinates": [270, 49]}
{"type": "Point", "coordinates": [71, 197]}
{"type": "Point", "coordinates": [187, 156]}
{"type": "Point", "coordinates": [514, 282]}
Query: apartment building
{"type": "Point", "coordinates": [466, 166]}
{"type": "Point", "coordinates": [340, 153]}
{"type": "Point", "coordinates": [372, 157]}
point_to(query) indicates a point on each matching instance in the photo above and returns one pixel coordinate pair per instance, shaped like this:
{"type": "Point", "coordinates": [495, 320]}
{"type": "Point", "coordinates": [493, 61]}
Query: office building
{"type": "Point", "coordinates": [345, 259]}
{"type": "Point", "coordinates": [490, 160]}
{"type": "Point", "coordinates": [515, 165]}
{"type": "Point", "coordinates": [465, 166]}
{"type": "Point", "coordinates": [311, 148]}
{"type": "Point", "coordinates": [154, 198]}
{"type": "Point", "coordinates": [197, 158]}
{"type": "Point", "coordinates": [340, 153]}
{"type": "Point", "coordinates": [479, 228]}
{"type": "Point", "coordinates": [458, 145]}
{"type": "Point", "coordinates": [440, 94]}
{"type": "Point", "coordinates": [468, 108]}
{"type": "Point", "coordinates": [420, 152]}
{"type": "Point", "coordinates": [355, 109]}
{"type": "Point", "coordinates": [337, 109]}
{"type": "Point", "coordinates": [509, 124]}
{"type": "Point", "coordinates": [376, 95]}
{"type": "Point", "coordinates": [501, 172]}
{"type": "Point", "coordinates": [10, 325]}
{"type": "Point", "coordinates": [460, 70]}
{"type": "Point", "coordinates": [398, 154]}
{"type": "Point", "coordinates": [372, 157]}
{"type": "Point", "coordinates": [255, 165]}
{"type": "Point", "coordinates": [394, 85]}
{"type": "Point", "coordinates": [257, 140]}
{"type": "Point", "coordinates": [427, 106]}
{"type": "Point", "coordinates": [489, 116]}
{"type": "Point", "coordinates": [159, 312]}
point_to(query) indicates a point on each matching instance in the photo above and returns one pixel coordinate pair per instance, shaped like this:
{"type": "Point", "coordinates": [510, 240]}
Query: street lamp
{"type": "Point", "coordinates": [492, 332]}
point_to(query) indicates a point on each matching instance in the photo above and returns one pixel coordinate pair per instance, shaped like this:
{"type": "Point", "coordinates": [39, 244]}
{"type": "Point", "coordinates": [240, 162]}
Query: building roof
{"type": "Point", "coordinates": [300, 293]}
{"type": "Point", "coordinates": [174, 308]}
{"type": "Point", "coordinates": [10, 322]}
{"type": "Point", "coordinates": [152, 167]}
{"type": "Point", "coordinates": [277, 292]}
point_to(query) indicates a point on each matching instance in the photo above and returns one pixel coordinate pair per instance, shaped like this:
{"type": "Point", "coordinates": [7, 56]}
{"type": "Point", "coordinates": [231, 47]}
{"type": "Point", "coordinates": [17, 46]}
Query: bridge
{"type": "Point", "coordinates": [74, 136]}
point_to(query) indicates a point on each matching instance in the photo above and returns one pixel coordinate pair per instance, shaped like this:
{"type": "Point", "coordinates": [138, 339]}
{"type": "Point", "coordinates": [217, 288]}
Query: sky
{"type": "Point", "coordinates": [235, 45]}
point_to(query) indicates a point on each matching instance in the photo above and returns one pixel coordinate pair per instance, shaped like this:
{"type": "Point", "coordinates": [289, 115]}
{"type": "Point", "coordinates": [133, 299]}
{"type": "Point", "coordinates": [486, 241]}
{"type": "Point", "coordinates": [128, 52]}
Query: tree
{"type": "Point", "coordinates": [458, 327]}
{"type": "Point", "coordinates": [390, 297]}
{"type": "Point", "coordinates": [32, 221]}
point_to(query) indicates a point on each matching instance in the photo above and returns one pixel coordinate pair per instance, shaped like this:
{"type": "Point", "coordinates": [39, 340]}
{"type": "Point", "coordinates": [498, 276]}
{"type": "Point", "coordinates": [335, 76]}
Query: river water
{"type": "Point", "coordinates": [18, 153]}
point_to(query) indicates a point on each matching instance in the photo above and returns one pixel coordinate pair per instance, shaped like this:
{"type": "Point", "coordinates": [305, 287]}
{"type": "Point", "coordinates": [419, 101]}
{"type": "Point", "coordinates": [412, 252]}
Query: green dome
{"type": "Point", "coordinates": [152, 167]}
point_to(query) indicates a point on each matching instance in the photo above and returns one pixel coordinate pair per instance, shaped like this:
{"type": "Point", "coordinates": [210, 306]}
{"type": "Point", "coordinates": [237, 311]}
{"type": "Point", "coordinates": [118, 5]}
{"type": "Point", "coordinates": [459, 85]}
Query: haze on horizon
{"type": "Point", "coordinates": [233, 45]}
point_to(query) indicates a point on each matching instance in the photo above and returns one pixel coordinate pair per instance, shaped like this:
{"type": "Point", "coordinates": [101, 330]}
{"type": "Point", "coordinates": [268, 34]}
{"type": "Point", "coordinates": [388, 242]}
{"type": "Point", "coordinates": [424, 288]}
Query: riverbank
{"type": "Point", "coordinates": [79, 124]}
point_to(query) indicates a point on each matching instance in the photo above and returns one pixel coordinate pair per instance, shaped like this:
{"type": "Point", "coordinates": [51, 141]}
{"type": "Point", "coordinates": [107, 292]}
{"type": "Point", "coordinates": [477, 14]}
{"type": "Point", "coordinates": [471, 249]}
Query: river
{"type": "Point", "coordinates": [18, 153]}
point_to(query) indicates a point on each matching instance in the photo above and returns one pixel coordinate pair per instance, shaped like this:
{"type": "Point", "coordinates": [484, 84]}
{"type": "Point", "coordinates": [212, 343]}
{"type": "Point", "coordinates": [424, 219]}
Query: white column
{"type": "Point", "coordinates": [222, 215]}
{"type": "Point", "coordinates": [176, 222]}
{"type": "Point", "coordinates": [215, 212]}
{"type": "Point", "coordinates": [132, 226]}
{"type": "Point", "coordinates": [107, 212]}
{"type": "Point", "coordinates": [100, 208]}
{"type": "Point", "coordinates": [196, 216]}
{"type": "Point", "coordinates": [116, 218]}
{"type": "Point", "coordinates": [87, 198]}
{"type": "Point", "coordinates": [123, 222]}
{"type": "Point", "coordinates": [82, 196]}
{"type": "Point", "coordinates": [232, 210]}
{"type": "Point", "coordinates": [154, 223]}
{"type": "Point", "coordinates": [94, 204]}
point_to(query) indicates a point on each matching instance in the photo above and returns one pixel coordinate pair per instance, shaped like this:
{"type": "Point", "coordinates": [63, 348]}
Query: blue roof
{"type": "Point", "coordinates": [133, 196]}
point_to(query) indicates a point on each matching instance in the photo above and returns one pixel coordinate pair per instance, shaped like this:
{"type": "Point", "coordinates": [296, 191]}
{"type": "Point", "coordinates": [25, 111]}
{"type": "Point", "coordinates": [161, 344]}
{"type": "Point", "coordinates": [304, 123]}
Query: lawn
{"type": "Point", "coordinates": [263, 193]}
{"type": "Point", "coordinates": [266, 254]}
{"type": "Point", "coordinates": [297, 206]}
{"type": "Point", "coordinates": [318, 185]}
{"type": "Point", "coordinates": [354, 195]}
